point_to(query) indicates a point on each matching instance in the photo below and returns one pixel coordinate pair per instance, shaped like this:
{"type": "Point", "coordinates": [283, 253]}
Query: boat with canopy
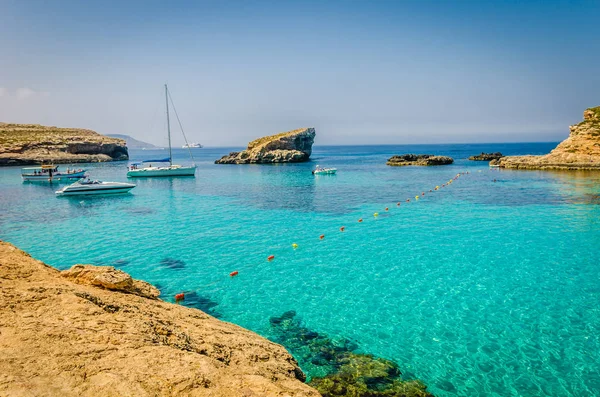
{"type": "Point", "coordinates": [50, 172]}
{"type": "Point", "coordinates": [146, 169]}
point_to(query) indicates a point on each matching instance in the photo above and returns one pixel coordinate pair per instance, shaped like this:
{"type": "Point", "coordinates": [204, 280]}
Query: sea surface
{"type": "Point", "coordinates": [489, 286]}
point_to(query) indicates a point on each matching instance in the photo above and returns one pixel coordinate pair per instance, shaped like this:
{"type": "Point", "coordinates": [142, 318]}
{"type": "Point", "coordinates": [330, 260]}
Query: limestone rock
{"type": "Point", "coordinates": [64, 338]}
{"type": "Point", "coordinates": [419, 159]}
{"type": "Point", "coordinates": [486, 156]}
{"type": "Point", "coordinates": [110, 278]}
{"type": "Point", "coordinates": [580, 151]}
{"type": "Point", "coordinates": [23, 144]}
{"type": "Point", "coordinates": [288, 147]}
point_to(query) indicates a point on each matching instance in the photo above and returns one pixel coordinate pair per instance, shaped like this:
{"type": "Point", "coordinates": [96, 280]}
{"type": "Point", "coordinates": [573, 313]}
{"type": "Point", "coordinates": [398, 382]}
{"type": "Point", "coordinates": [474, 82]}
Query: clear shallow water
{"type": "Point", "coordinates": [482, 288]}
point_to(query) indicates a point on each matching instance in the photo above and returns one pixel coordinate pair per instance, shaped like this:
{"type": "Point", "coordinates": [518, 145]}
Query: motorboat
{"type": "Point", "coordinates": [88, 187]}
{"type": "Point", "coordinates": [324, 171]}
{"type": "Point", "coordinates": [50, 172]}
{"type": "Point", "coordinates": [145, 168]}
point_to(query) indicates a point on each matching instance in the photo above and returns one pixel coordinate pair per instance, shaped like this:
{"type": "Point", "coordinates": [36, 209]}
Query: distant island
{"type": "Point", "coordinates": [580, 151]}
{"type": "Point", "coordinates": [133, 143]}
{"type": "Point", "coordinates": [25, 144]}
{"type": "Point", "coordinates": [486, 156]}
{"type": "Point", "coordinates": [287, 147]}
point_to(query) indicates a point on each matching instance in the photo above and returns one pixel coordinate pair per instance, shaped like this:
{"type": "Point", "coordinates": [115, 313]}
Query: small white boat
{"type": "Point", "coordinates": [192, 146]}
{"type": "Point", "coordinates": [324, 171]}
{"type": "Point", "coordinates": [50, 172]}
{"type": "Point", "coordinates": [88, 187]}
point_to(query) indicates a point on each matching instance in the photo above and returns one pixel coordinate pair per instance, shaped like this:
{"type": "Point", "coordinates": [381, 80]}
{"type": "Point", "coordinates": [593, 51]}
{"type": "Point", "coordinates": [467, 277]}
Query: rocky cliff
{"type": "Point", "coordinates": [93, 331]}
{"type": "Point", "coordinates": [419, 159]}
{"type": "Point", "coordinates": [288, 147]}
{"type": "Point", "coordinates": [580, 151]}
{"type": "Point", "coordinates": [22, 144]}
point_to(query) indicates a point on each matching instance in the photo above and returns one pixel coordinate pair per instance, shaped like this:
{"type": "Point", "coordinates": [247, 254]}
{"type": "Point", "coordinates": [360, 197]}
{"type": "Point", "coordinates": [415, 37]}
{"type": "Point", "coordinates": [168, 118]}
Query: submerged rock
{"type": "Point", "coordinates": [486, 156]}
{"type": "Point", "coordinates": [580, 151]}
{"type": "Point", "coordinates": [171, 263]}
{"type": "Point", "coordinates": [288, 147]}
{"type": "Point", "coordinates": [419, 159]}
{"type": "Point", "coordinates": [342, 370]}
{"type": "Point", "coordinates": [23, 144]}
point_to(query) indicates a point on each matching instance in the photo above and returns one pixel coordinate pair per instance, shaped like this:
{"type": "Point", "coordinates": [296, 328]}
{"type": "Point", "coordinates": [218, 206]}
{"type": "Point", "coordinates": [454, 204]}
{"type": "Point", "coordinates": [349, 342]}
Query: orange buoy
{"type": "Point", "coordinates": [233, 274]}
{"type": "Point", "coordinates": [342, 228]}
{"type": "Point", "coordinates": [271, 257]}
{"type": "Point", "coordinates": [360, 220]}
{"type": "Point", "coordinates": [179, 297]}
{"type": "Point", "coordinates": [322, 236]}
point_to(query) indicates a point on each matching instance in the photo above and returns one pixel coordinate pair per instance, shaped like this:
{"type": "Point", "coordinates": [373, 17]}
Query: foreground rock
{"type": "Point", "coordinates": [486, 156]}
{"type": "Point", "coordinates": [580, 151]}
{"type": "Point", "coordinates": [419, 159]}
{"type": "Point", "coordinates": [288, 147]}
{"type": "Point", "coordinates": [24, 144]}
{"type": "Point", "coordinates": [87, 332]}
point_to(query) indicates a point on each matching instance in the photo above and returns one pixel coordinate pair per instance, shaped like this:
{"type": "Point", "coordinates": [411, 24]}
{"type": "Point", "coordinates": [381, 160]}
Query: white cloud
{"type": "Point", "coordinates": [24, 93]}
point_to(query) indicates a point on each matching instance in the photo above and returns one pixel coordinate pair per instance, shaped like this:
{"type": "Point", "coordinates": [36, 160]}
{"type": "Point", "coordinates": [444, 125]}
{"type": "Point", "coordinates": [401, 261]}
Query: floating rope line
{"type": "Point", "coordinates": [179, 297]}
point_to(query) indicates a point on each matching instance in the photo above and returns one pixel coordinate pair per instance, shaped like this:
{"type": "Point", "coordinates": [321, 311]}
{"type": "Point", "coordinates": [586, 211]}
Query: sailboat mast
{"type": "Point", "coordinates": [168, 125]}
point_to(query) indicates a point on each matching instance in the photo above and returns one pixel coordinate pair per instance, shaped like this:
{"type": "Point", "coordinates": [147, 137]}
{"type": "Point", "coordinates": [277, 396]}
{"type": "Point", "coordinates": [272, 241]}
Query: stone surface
{"type": "Point", "coordinates": [486, 156]}
{"type": "Point", "coordinates": [419, 159]}
{"type": "Point", "coordinates": [580, 151]}
{"type": "Point", "coordinates": [288, 147]}
{"type": "Point", "coordinates": [110, 278]}
{"type": "Point", "coordinates": [61, 335]}
{"type": "Point", "coordinates": [24, 144]}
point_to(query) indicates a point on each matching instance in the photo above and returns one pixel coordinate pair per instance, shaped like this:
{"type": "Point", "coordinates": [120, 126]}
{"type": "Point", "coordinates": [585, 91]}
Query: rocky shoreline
{"type": "Point", "coordinates": [580, 151]}
{"type": "Point", "coordinates": [419, 159]}
{"type": "Point", "coordinates": [89, 329]}
{"type": "Point", "coordinates": [92, 331]}
{"type": "Point", "coordinates": [27, 144]}
{"type": "Point", "coordinates": [287, 147]}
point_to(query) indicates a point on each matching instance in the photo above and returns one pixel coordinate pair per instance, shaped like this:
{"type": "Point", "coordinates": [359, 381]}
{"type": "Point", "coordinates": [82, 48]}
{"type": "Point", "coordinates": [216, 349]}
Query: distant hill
{"type": "Point", "coordinates": [133, 143]}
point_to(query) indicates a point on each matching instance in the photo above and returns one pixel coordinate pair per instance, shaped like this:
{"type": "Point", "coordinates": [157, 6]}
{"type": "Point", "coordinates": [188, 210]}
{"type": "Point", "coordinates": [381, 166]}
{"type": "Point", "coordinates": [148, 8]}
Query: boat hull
{"type": "Point", "coordinates": [55, 177]}
{"type": "Point", "coordinates": [159, 172]}
{"type": "Point", "coordinates": [94, 192]}
{"type": "Point", "coordinates": [329, 172]}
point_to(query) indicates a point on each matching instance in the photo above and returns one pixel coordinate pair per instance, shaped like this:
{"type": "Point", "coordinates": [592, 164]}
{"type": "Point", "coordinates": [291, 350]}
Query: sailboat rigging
{"type": "Point", "coordinates": [140, 170]}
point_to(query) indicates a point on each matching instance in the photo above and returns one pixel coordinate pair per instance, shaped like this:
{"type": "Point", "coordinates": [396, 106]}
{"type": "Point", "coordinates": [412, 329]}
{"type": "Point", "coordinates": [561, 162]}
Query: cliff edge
{"type": "Point", "coordinates": [92, 331]}
{"type": "Point", "coordinates": [580, 151]}
{"type": "Point", "coordinates": [24, 144]}
{"type": "Point", "coordinates": [288, 147]}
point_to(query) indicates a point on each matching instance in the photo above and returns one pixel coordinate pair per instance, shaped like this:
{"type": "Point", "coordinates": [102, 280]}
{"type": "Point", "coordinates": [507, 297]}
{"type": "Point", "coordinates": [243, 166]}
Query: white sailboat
{"type": "Point", "coordinates": [140, 169]}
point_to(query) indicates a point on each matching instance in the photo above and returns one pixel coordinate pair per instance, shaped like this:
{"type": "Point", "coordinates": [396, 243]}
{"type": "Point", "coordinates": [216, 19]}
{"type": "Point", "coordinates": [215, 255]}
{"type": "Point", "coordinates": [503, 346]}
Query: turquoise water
{"type": "Point", "coordinates": [481, 288]}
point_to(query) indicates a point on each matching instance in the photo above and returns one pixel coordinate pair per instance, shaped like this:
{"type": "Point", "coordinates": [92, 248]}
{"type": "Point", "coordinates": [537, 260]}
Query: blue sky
{"type": "Point", "coordinates": [361, 72]}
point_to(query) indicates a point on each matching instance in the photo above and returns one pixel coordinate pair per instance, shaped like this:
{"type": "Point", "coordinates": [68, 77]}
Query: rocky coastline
{"type": "Point", "coordinates": [419, 159]}
{"type": "Point", "coordinates": [486, 156]}
{"type": "Point", "coordinates": [287, 147]}
{"type": "Point", "coordinates": [580, 151]}
{"type": "Point", "coordinates": [93, 330]}
{"type": "Point", "coordinates": [27, 144]}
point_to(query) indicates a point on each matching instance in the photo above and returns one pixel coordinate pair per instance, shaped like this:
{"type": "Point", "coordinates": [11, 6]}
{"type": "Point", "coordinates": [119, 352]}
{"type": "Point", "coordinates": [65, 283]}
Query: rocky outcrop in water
{"type": "Point", "coordinates": [24, 144]}
{"type": "Point", "coordinates": [342, 370]}
{"type": "Point", "coordinates": [580, 151]}
{"type": "Point", "coordinates": [288, 147]}
{"type": "Point", "coordinates": [92, 331]}
{"type": "Point", "coordinates": [419, 159]}
{"type": "Point", "coordinates": [486, 156]}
